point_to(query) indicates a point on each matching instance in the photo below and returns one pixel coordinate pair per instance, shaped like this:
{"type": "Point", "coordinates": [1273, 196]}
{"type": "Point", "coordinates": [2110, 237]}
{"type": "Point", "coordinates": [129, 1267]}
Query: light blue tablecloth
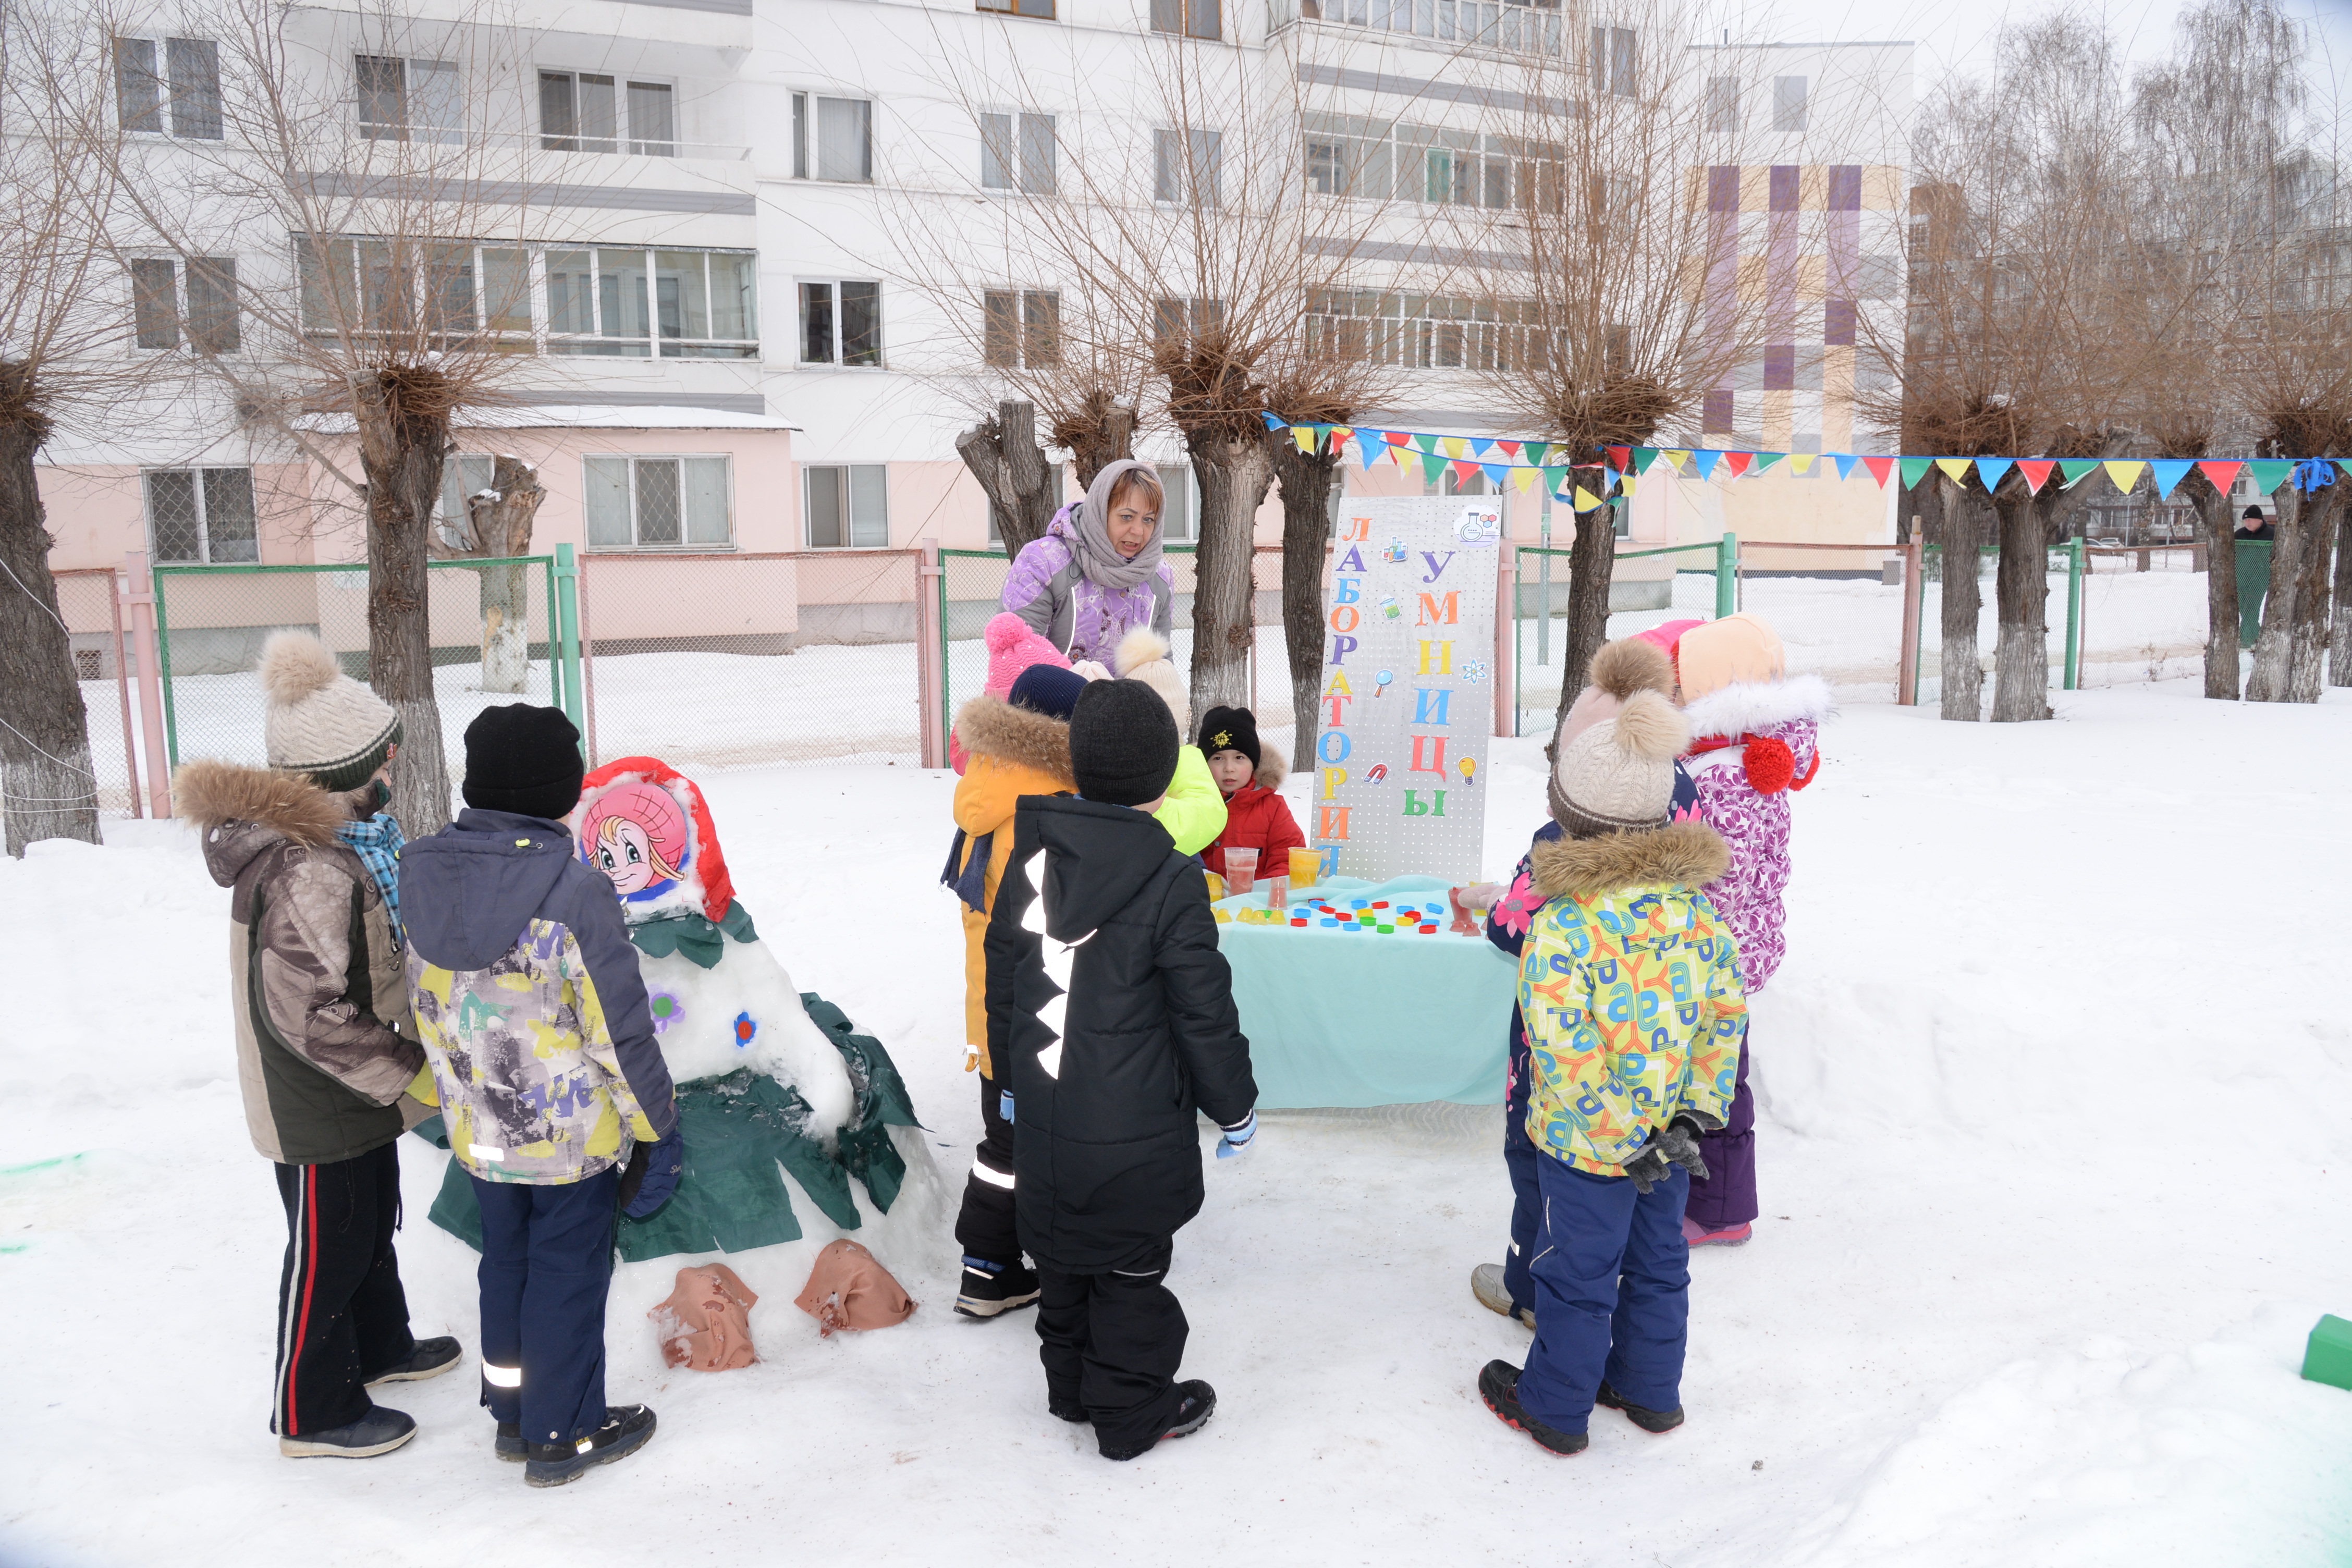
{"type": "Point", "coordinates": [1340, 1017]}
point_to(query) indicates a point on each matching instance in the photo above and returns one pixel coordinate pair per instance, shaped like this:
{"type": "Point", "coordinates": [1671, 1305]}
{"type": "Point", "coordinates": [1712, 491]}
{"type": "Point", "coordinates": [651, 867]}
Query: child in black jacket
{"type": "Point", "coordinates": [1109, 1000]}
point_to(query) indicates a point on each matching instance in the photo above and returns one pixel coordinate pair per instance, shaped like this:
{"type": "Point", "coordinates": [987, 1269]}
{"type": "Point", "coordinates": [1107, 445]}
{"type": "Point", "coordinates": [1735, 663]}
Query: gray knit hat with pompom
{"type": "Point", "coordinates": [1619, 773]}
{"type": "Point", "coordinates": [320, 721]}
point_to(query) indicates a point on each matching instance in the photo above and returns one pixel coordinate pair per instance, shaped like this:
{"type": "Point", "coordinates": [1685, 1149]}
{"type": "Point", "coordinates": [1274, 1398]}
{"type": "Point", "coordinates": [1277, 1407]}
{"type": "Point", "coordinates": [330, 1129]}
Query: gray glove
{"type": "Point", "coordinates": [1678, 1145]}
{"type": "Point", "coordinates": [1648, 1167]}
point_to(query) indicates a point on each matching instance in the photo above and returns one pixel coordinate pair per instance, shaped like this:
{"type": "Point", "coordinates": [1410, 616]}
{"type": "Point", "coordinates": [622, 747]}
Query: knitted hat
{"type": "Point", "coordinates": [1736, 650]}
{"type": "Point", "coordinates": [1123, 744]}
{"type": "Point", "coordinates": [1231, 730]}
{"type": "Point", "coordinates": [1620, 772]}
{"type": "Point", "coordinates": [320, 721]}
{"type": "Point", "coordinates": [2254, 514]}
{"type": "Point", "coordinates": [524, 759]}
{"type": "Point", "coordinates": [1014, 647]}
{"type": "Point", "coordinates": [1047, 688]}
{"type": "Point", "coordinates": [1620, 670]}
{"type": "Point", "coordinates": [1143, 656]}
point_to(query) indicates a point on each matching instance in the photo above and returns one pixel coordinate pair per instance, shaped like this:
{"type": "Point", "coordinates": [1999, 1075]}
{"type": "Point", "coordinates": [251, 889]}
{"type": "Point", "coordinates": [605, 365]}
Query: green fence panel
{"type": "Point", "coordinates": [2253, 587]}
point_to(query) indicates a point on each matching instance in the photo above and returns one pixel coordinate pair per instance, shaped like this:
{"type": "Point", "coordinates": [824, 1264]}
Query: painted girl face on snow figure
{"type": "Point", "coordinates": [636, 835]}
{"type": "Point", "coordinates": [627, 856]}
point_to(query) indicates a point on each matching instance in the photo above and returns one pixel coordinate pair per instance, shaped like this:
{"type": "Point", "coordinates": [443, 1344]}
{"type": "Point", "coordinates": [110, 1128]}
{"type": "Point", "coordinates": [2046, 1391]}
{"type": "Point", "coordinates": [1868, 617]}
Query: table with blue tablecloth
{"type": "Point", "coordinates": [1337, 1016]}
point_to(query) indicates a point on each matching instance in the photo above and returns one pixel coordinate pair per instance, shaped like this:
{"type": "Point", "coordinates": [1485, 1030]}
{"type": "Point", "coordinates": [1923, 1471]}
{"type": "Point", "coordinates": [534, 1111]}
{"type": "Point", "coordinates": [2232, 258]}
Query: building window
{"type": "Point", "coordinates": [1723, 103]}
{"type": "Point", "coordinates": [1179, 510]}
{"type": "Point", "coordinates": [848, 506]}
{"type": "Point", "coordinates": [1185, 165]}
{"type": "Point", "coordinates": [1613, 61]}
{"type": "Point", "coordinates": [1788, 103]}
{"type": "Point", "coordinates": [1040, 9]}
{"type": "Point", "coordinates": [408, 101]}
{"type": "Point", "coordinates": [1016, 152]}
{"type": "Point", "coordinates": [173, 82]}
{"type": "Point", "coordinates": [604, 302]}
{"type": "Point", "coordinates": [1021, 328]}
{"type": "Point", "coordinates": [583, 111]}
{"type": "Point", "coordinates": [841, 322]}
{"type": "Point", "coordinates": [1431, 331]}
{"type": "Point", "coordinates": [1175, 321]}
{"type": "Point", "coordinates": [833, 138]}
{"type": "Point", "coordinates": [1384, 159]}
{"type": "Point", "coordinates": [201, 517]}
{"type": "Point", "coordinates": [1194, 18]}
{"type": "Point", "coordinates": [192, 301]}
{"type": "Point", "coordinates": [658, 503]}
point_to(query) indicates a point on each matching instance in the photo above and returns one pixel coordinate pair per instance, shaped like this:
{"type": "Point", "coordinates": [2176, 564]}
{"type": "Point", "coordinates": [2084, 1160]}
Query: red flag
{"type": "Point", "coordinates": [1620, 457]}
{"type": "Point", "coordinates": [1397, 438]}
{"type": "Point", "coordinates": [1510, 448]}
{"type": "Point", "coordinates": [2036, 472]}
{"type": "Point", "coordinates": [1465, 469]}
{"type": "Point", "coordinates": [1738, 462]}
{"type": "Point", "coordinates": [2223, 475]}
{"type": "Point", "coordinates": [1879, 469]}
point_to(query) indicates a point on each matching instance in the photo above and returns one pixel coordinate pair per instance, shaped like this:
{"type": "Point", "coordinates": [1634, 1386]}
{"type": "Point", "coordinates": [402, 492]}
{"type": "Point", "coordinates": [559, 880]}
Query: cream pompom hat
{"type": "Point", "coordinates": [320, 721]}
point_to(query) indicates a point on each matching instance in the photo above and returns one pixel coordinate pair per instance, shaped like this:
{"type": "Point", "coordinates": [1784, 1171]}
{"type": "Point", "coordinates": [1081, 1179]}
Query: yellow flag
{"type": "Point", "coordinates": [1585, 499]}
{"type": "Point", "coordinates": [1454, 446]}
{"type": "Point", "coordinates": [1679, 457]}
{"type": "Point", "coordinates": [2125, 475]}
{"type": "Point", "coordinates": [1525, 478]}
{"type": "Point", "coordinates": [1802, 463]}
{"type": "Point", "coordinates": [1957, 468]}
{"type": "Point", "coordinates": [1304, 436]}
{"type": "Point", "coordinates": [1625, 485]}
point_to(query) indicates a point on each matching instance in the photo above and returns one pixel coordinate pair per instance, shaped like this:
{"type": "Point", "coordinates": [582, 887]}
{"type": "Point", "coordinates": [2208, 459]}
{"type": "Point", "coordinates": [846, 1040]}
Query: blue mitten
{"type": "Point", "coordinates": [1237, 1136]}
{"type": "Point", "coordinates": [664, 1166]}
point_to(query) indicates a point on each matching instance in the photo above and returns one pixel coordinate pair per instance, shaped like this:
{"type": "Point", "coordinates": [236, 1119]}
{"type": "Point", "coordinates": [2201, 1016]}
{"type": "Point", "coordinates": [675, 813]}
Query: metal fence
{"type": "Point", "coordinates": [90, 605]}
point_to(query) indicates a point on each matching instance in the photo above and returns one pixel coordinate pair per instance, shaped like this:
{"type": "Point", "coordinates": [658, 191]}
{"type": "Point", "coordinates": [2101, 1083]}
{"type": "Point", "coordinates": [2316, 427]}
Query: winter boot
{"type": "Point", "coordinates": [1647, 1420]}
{"type": "Point", "coordinates": [989, 1288]}
{"type": "Point", "coordinates": [1068, 1410]}
{"type": "Point", "coordinates": [1486, 1284]}
{"type": "Point", "coordinates": [509, 1444]}
{"type": "Point", "coordinates": [380, 1431]}
{"type": "Point", "coordinates": [1196, 1402]}
{"type": "Point", "coordinates": [431, 1358]}
{"type": "Point", "coordinates": [1698, 1235]}
{"type": "Point", "coordinates": [1498, 1385]}
{"type": "Point", "coordinates": [627, 1430]}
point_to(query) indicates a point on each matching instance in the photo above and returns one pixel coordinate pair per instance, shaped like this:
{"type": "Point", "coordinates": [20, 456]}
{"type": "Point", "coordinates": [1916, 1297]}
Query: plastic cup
{"type": "Point", "coordinates": [1277, 892]}
{"type": "Point", "coordinates": [1241, 871]}
{"type": "Point", "coordinates": [1306, 868]}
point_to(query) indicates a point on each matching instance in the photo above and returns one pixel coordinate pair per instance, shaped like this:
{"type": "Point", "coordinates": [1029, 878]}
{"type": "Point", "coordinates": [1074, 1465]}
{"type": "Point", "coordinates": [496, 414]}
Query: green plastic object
{"type": "Point", "coordinates": [2328, 1356]}
{"type": "Point", "coordinates": [2253, 587]}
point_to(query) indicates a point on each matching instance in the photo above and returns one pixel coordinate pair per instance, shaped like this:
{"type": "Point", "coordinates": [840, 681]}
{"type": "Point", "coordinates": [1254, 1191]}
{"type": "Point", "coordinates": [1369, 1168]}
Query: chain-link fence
{"type": "Point", "coordinates": [741, 660]}
{"type": "Point", "coordinates": [90, 606]}
{"type": "Point", "coordinates": [211, 622]}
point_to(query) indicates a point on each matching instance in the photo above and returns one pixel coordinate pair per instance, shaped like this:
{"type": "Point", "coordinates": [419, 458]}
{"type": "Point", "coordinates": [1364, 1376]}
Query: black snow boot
{"type": "Point", "coordinates": [509, 1444]}
{"type": "Point", "coordinates": [380, 1431]}
{"type": "Point", "coordinates": [988, 1289]}
{"type": "Point", "coordinates": [1068, 1410]}
{"type": "Point", "coordinates": [627, 1430]}
{"type": "Point", "coordinates": [1647, 1420]}
{"type": "Point", "coordinates": [1498, 1385]}
{"type": "Point", "coordinates": [1195, 1403]}
{"type": "Point", "coordinates": [431, 1358]}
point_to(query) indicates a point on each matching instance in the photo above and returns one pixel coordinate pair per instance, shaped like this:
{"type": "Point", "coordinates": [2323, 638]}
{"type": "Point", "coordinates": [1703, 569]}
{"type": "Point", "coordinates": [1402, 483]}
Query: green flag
{"type": "Point", "coordinates": [1532, 452]}
{"type": "Point", "coordinates": [2076, 468]}
{"type": "Point", "coordinates": [1433, 463]}
{"type": "Point", "coordinates": [1643, 457]}
{"type": "Point", "coordinates": [1915, 470]}
{"type": "Point", "coordinates": [2270, 474]}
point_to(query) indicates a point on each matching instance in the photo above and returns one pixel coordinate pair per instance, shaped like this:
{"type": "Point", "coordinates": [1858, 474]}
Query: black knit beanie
{"type": "Point", "coordinates": [525, 760]}
{"type": "Point", "coordinates": [1230, 730]}
{"type": "Point", "coordinates": [1048, 689]}
{"type": "Point", "coordinates": [1123, 744]}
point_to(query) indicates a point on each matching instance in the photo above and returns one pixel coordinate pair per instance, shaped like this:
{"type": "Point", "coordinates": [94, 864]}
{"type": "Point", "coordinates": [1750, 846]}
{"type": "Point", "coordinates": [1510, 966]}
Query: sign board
{"type": "Point", "coordinates": [1407, 692]}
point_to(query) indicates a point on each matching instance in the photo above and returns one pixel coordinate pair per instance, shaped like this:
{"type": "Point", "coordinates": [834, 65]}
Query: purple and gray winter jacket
{"type": "Point", "coordinates": [1046, 589]}
{"type": "Point", "coordinates": [1754, 823]}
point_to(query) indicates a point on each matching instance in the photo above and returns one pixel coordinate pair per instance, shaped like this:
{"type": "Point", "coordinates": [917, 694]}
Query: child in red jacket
{"type": "Point", "coordinates": [1257, 817]}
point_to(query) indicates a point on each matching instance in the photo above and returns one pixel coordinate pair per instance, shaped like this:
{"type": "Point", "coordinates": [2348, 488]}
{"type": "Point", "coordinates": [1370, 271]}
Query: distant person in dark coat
{"type": "Point", "coordinates": [2255, 528]}
{"type": "Point", "coordinates": [1112, 1010]}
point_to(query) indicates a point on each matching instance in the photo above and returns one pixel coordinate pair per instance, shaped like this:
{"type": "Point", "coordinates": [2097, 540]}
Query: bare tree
{"type": "Point", "coordinates": [495, 525]}
{"type": "Point", "coordinates": [66, 360]}
{"type": "Point", "coordinates": [406, 187]}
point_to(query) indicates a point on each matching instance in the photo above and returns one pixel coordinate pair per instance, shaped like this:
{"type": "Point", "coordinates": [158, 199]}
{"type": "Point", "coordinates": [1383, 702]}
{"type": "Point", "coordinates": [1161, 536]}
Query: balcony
{"type": "Point", "coordinates": [1527, 29]}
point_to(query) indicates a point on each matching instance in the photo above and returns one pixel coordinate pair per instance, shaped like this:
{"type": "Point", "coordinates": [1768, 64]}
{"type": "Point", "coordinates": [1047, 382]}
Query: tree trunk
{"type": "Point", "coordinates": [2221, 585]}
{"type": "Point", "coordinates": [1591, 559]}
{"type": "Point", "coordinates": [2315, 596]}
{"type": "Point", "coordinates": [1963, 676]}
{"type": "Point", "coordinates": [1003, 454]}
{"type": "Point", "coordinates": [1103, 433]}
{"type": "Point", "coordinates": [401, 453]}
{"type": "Point", "coordinates": [2339, 640]}
{"type": "Point", "coordinates": [2273, 647]}
{"type": "Point", "coordinates": [47, 786]}
{"type": "Point", "coordinates": [2021, 691]}
{"type": "Point", "coordinates": [1233, 475]}
{"type": "Point", "coordinates": [1307, 484]}
{"type": "Point", "coordinates": [502, 530]}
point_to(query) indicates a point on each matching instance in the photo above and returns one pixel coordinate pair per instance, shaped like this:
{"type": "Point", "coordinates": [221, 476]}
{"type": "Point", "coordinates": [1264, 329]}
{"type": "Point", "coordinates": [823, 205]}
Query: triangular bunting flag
{"type": "Point", "coordinates": [1464, 468]}
{"type": "Point", "coordinates": [1914, 470]}
{"type": "Point", "coordinates": [1525, 478]}
{"type": "Point", "coordinates": [1845, 462]}
{"type": "Point", "coordinates": [1880, 467]}
{"type": "Point", "coordinates": [2168, 472]}
{"type": "Point", "coordinates": [1738, 462]}
{"type": "Point", "coordinates": [1625, 485]}
{"type": "Point", "coordinates": [1478, 445]}
{"type": "Point", "coordinates": [1585, 499]}
{"type": "Point", "coordinates": [1273, 421]}
{"type": "Point", "coordinates": [1678, 455]}
{"type": "Point", "coordinates": [1432, 467]}
{"type": "Point", "coordinates": [1802, 463]}
{"type": "Point", "coordinates": [1643, 457]}
{"type": "Point", "coordinates": [1339, 434]}
{"type": "Point", "coordinates": [1397, 438]}
{"type": "Point", "coordinates": [1534, 451]}
{"type": "Point", "coordinates": [2270, 473]}
{"type": "Point", "coordinates": [1766, 459]}
{"type": "Point", "coordinates": [2077, 470]}
{"type": "Point", "coordinates": [1510, 448]}
{"type": "Point", "coordinates": [1496, 471]}
{"type": "Point", "coordinates": [1426, 443]}
{"type": "Point", "coordinates": [2036, 472]}
{"type": "Point", "coordinates": [2124, 475]}
{"type": "Point", "coordinates": [1992, 470]}
{"type": "Point", "coordinates": [1304, 436]}
{"type": "Point", "coordinates": [1370, 452]}
{"type": "Point", "coordinates": [1954, 469]}
{"type": "Point", "coordinates": [1706, 462]}
{"type": "Point", "coordinates": [2221, 476]}
{"type": "Point", "coordinates": [1454, 446]}
{"type": "Point", "coordinates": [1620, 457]}
{"type": "Point", "coordinates": [1556, 480]}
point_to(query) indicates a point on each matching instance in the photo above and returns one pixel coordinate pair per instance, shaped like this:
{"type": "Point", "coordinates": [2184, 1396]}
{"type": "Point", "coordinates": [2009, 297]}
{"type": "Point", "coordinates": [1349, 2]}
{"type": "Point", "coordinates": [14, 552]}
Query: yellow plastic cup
{"type": "Point", "coordinates": [1305, 866]}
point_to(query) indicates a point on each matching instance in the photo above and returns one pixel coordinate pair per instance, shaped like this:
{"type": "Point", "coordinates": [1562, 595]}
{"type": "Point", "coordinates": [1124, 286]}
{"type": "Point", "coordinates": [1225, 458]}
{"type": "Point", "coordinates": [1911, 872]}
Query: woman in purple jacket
{"type": "Point", "coordinates": [1097, 574]}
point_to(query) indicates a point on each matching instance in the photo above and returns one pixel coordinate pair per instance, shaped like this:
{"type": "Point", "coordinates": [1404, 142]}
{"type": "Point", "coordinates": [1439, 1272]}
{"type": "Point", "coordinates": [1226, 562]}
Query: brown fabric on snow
{"type": "Point", "coordinates": [706, 1324]}
{"type": "Point", "coordinates": [848, 1288]}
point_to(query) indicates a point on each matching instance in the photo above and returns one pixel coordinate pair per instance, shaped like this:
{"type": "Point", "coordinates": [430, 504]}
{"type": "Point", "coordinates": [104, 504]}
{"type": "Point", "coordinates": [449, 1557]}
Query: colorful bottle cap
{"type": "Point", "coordinates": [1429, 930]}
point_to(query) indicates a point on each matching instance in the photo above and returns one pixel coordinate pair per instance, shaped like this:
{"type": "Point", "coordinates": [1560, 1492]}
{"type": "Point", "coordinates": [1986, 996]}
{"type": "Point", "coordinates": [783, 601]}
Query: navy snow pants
{"type": "Point", "coordinates": [1611, 1276]}
{"type": "Point", "coordinates": [1519, 1157]}
{"type": "Point", "coordinates": [547, 1262]}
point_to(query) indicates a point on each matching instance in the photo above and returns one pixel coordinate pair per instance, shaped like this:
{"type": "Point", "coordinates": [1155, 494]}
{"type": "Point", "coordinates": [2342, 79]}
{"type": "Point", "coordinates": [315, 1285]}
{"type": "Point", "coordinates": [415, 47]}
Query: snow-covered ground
{"type": "Point", "coordinates": [2050, 1084]}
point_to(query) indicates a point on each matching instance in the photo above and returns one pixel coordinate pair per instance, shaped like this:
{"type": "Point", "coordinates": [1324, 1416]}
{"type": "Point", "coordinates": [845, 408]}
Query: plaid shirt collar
{"type": "Point", "coordinates": [377, 841]}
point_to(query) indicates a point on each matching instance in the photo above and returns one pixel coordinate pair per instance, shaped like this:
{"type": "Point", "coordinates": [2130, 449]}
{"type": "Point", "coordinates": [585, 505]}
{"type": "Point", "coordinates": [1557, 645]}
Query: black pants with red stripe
{"type": "Point", "coordinates": [342, 1317]}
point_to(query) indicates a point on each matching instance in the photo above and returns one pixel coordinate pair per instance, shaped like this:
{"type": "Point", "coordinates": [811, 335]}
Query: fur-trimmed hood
{"type": "Point", "coordinates": [242, 811]}
{"type": "Point", "coordinates": [1271, 770]}
{"type": "Point", "coordinates": [1683, 855]}
{"type": "Point", "coordinates": [991, 727]}
{"type": "Point", "coordinates": [1753, 706]}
